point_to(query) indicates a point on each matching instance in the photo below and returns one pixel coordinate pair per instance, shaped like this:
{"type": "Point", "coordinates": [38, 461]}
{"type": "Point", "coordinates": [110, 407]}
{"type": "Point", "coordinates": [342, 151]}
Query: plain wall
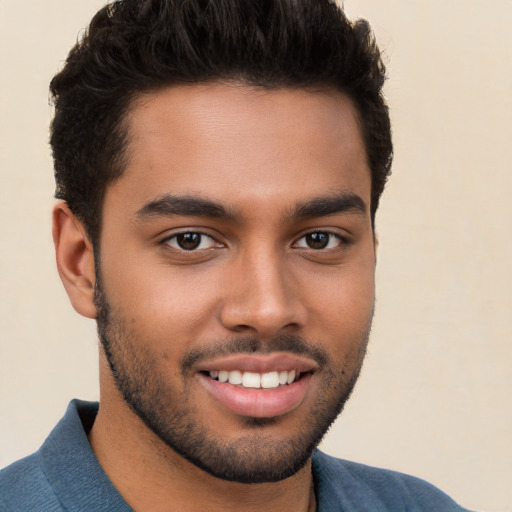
{"type": "Point", "coordinates": [435, 395]}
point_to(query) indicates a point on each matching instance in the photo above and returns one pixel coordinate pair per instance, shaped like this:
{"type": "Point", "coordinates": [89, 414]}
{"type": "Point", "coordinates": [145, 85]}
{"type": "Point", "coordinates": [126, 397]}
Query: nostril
{"type": "Point", "coordinates": [242, 328]}
{"type": "Point", "coordinates": [262, 314]}
{"type": "Point", "coordinates": [292, 326]}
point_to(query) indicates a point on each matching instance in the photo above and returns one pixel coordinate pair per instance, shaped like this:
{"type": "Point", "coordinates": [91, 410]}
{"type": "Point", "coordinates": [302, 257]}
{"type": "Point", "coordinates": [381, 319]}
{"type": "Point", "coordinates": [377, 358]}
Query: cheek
{"type": "Point", "coordinates": [342, 307]}
{"type": "Point", "coordinates": [166, 306]}
{"type": "Point", "coordinates": [346, 292]}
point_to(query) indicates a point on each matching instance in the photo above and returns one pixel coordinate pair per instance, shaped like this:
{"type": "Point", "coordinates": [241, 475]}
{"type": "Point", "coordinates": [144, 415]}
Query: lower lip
{"type": "Point", "coordinates": [258, 403]}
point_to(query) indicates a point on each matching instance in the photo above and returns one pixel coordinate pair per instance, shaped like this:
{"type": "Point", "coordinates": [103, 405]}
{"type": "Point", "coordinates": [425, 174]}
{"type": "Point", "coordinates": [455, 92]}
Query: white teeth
{"type": "Point", "coordinates": [251, 380]}
{"type": "Point", "coordinates": [270, 380]}
{"type": "Point", "coordinates": [267, 380]}
{"type": "Point", "coordinates": [235, 377]}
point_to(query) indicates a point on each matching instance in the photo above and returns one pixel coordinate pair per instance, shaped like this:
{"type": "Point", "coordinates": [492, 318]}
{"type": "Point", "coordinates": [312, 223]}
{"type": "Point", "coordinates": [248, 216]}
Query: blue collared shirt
{"type": "Point", "coordinates": [64, 475]}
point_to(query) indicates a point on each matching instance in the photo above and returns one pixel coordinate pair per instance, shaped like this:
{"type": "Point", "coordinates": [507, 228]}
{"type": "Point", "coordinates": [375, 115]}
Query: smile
{"type": "Point", "coordinates": [258, 386]}
{"type": "Point", "coordinates": [269, 380]}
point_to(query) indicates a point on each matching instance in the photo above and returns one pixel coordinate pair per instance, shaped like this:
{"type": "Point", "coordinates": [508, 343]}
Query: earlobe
{"type": "Point", "coordinates": [75, 259]}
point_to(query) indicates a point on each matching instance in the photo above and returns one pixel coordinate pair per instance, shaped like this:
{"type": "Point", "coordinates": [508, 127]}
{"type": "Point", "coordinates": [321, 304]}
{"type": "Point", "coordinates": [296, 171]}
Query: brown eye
{"type": "Point", "coordinates": [188, 241]}
{"type": "Point", "coordinates": [191, 241]}
{"type": "Point", "coordinates": [318, 240]}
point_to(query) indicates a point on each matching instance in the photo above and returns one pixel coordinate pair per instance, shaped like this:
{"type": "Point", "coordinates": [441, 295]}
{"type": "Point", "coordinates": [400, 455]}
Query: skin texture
{"type": "Point", "coordinates": [257, 284]}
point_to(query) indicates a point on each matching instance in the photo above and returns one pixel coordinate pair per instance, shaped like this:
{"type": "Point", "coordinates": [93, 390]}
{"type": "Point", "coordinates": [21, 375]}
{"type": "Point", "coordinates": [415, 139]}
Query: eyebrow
{"type": "Point", "coordinates": [343, 202]}
{"type": "Point", "coordinates": [168, 204]}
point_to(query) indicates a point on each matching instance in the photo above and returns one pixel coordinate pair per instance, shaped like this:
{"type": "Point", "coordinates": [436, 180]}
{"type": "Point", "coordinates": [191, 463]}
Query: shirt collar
{"type": "Point", "coordinates": [71, 467]}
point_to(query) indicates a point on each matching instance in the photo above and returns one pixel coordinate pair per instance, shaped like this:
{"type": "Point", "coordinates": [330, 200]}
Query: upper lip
{"type": "Point", "coordinates": [259, 363]}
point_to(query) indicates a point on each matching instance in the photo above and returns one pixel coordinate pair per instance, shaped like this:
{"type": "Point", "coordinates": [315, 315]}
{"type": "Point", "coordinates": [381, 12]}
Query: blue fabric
{"type": "Point", "coordinates": [64, 475]}
{"type": "Point", "coordinates": [344, 486]}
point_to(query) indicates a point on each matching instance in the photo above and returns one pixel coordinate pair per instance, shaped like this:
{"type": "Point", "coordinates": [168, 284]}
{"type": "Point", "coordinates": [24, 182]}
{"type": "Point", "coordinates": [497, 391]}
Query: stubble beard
{"type": "Point", "coordinates": [254, 457]}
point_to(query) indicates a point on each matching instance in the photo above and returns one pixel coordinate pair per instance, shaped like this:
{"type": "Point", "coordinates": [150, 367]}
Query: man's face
{"type": "Point", "coordinates": [238, 246]}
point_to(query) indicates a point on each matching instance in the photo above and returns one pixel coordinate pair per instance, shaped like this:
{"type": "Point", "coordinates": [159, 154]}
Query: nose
{"type": "Point", "coordinates": [261, 296]}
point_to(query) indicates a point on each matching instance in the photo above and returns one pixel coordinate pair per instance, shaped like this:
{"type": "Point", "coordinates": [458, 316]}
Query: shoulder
{"type": "Point", "coordinates": [352, 486]}
{"type": "Point", "coordinates": [63, 474]}
{"type": "Point", "coordinates": [30, 483]}
{"type": "Point", "coordinates": [24, 486]}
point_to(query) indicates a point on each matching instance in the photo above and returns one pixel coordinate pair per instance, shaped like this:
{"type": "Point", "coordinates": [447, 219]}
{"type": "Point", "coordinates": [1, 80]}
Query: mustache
{"type": "Point", "coordinates": [250, 345]}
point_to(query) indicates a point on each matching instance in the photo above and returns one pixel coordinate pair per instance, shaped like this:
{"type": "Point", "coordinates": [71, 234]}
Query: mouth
{"type": "Point", "coordinates": [258, 386]}
{"type": "Point", "coordinates": [254, 380]}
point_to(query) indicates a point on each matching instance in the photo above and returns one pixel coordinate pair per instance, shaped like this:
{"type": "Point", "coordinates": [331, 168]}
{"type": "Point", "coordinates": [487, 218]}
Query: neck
{"type": "Point", "coordinates": [152, 477]}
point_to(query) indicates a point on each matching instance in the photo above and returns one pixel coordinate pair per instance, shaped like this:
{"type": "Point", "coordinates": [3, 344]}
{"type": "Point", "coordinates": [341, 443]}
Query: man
{"type": "Point", "coordinates": [219, 167]}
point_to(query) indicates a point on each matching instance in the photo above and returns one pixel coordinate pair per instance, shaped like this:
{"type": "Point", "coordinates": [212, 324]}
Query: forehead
{"type": "Point", "coordinates": [239, 144]}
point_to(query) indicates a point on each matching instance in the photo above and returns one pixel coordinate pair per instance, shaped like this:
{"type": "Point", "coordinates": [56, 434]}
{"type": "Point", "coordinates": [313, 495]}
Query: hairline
{"type": "Point", "coordinates": [136, 98]}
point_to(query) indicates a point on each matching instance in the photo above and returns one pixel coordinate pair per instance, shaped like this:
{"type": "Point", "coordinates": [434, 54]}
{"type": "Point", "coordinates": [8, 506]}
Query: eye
{"type": "Point", "coordinates": [191, 241]}
{"type": "Point", "coordinates": [319, 240]}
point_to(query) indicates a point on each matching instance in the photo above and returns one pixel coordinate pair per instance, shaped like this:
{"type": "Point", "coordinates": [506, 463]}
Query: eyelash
{"type": "Point", "coordinates": [343, 240]}
{"type": "Point", "coordinates": [202, 234]}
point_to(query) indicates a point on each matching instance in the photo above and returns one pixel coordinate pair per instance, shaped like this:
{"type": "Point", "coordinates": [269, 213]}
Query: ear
{"type": "Point", "coordinates": [75, 259]}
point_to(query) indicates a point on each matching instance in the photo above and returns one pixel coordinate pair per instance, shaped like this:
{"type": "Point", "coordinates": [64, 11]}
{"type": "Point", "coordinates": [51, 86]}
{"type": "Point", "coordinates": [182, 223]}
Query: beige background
{"type": "Point", "coordinates": [435, 397]}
